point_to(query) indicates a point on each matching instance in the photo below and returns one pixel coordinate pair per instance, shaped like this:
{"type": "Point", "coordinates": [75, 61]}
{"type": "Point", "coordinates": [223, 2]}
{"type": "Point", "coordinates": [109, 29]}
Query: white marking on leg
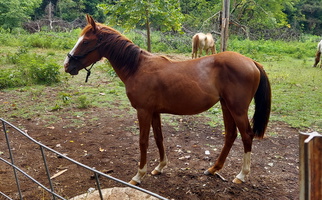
{"type": "Point", "coordinates": [161, 165]}
{"type": "Point", "coordinates": [245, 168]}
{"type": "Point", "coordinates": [80, 39]}
{"type": "Point", "coordinates": [139, 176]}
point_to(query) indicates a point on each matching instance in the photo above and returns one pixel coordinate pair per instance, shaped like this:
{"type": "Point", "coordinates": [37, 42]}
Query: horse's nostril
{"type": "Point", "coordinates": [66, 66]}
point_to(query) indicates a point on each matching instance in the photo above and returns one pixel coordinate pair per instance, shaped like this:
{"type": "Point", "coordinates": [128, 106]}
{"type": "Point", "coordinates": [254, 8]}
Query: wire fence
{"type": "Point", "coordinates": [21, 178]}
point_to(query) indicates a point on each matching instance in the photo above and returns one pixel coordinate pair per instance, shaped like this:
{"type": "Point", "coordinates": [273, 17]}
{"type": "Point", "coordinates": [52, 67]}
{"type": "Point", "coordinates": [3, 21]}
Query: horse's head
{"type": "Point", "coordinates": [85, 51]}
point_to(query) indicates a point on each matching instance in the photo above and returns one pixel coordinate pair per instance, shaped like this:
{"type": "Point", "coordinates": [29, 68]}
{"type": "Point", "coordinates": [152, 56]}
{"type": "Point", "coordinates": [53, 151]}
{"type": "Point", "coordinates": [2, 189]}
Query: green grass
{"type": "Point", "coordinates": [296, 87]}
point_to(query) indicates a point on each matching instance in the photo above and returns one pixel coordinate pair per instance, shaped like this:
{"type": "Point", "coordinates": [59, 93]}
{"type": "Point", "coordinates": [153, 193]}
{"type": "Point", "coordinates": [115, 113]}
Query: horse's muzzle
{"type": "Point", "coordinates": [70, 69]}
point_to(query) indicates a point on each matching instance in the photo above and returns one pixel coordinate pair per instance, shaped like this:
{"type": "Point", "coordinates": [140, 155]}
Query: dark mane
{"type": "Point", "coordinates": [119, 50]}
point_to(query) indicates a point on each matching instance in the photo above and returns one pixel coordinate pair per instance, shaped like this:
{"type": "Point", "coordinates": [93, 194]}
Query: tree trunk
{"type": "Point", "coordinates": [148, 30]}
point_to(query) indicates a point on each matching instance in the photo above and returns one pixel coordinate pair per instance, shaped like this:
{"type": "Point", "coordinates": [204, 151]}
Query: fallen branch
{"type": "Point", "coordinates": [58, 174]}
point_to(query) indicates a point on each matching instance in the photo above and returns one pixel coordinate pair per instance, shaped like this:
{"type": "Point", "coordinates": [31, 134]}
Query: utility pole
{"type": "Point", "coordinates": [224, 25]}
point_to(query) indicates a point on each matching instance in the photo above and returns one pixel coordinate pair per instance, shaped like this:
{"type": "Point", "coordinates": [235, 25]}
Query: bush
{"type": "Point", "coordinates": [29, 69]}
{"type": "Point", "coordinates": [10, 78]}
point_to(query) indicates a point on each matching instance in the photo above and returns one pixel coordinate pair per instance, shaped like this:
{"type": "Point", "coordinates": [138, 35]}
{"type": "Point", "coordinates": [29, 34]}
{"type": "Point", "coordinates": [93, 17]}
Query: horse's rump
{"type": "Point", "coordinates": [319, 46]}
{"type": "Point", "coordinates": [318, 54]}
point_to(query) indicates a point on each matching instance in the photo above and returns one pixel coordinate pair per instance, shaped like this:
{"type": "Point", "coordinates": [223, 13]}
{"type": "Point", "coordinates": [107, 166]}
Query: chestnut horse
{"type": "Point", "coordinates": [318, 54]}
{"type": "Point", "coordinates": [155, 84]}
{"type": "Point", "coordinates": [200, 42]}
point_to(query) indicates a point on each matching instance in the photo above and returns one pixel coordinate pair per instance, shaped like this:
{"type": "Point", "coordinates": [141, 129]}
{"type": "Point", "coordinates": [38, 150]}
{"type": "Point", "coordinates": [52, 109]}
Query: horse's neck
{"type": "Point", "coordinates": [120, 74]}
{"type": "Point", "coordinates": [124, 61]}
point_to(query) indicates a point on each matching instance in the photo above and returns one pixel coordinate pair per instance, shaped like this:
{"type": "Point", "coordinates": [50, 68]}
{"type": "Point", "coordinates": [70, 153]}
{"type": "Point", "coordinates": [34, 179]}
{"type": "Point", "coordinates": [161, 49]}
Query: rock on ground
{"type": "Point", "coordinates": [116, 193]}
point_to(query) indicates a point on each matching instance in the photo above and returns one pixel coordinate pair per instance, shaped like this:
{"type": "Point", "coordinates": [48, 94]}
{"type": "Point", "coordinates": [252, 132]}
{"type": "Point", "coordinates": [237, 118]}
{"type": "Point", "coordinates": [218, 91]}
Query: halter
{"type": "Point", "coordinates": [85, 54]}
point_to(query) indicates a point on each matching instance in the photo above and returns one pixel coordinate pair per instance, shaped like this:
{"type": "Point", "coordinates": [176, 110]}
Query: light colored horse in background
{"type": "Point", "coordinates": [318, 54]}
{"type": "Point", "coordinates": [201, 41]}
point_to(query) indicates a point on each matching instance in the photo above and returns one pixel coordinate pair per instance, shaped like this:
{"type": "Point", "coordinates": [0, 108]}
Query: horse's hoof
{"type": "Point", "coordinates": [155, 172]}
{"type": "Point", "coordinates": [237, 181]}
{"type": "Point", "coordinates": [208, 173]}
{"type": "Point", "coordinates": [134, 183]}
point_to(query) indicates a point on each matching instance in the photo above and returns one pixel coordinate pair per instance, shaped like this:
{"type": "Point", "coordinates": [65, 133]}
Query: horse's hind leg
{"type": "Point", "coordinates": [317, 58]}
{"type": "Point", "coordinates": [200, 52]}
{"type": "Point", "coordinates": [157, 131]}
{"type": "Point", "coordinates": [230, 136]}
{"type": "Point", "coordinates": [213, 49]}
{"type": "Point", "coordinates": [207, 51]}
{"type": "Point", "coordinates": [247, 138]}
{"type": "Point", "coordinates": [232, 120]}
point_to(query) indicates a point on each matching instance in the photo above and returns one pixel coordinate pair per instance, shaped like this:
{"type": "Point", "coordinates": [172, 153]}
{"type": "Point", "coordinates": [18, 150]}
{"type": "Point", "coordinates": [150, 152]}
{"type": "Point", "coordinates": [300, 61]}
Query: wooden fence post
{"type": "Point", "coordinates": [310, 166]}
{"type": "Point", "coordinates": [224, 25]}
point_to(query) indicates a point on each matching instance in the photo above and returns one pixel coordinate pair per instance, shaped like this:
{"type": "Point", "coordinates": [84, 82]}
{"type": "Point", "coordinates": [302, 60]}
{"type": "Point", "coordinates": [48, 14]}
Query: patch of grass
{"type": "Point", "coordinates": [83, 102]}
{"type": "Point", "coordinates": [295, 91]}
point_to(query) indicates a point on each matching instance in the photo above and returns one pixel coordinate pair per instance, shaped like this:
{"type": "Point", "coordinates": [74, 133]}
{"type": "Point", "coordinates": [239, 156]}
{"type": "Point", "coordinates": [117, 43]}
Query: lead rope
{"type": "Point", "coordinates": [89, 72]}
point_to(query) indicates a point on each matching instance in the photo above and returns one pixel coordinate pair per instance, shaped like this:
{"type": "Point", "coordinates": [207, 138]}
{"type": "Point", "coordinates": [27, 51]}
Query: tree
{"type": "Point", "coordinates": [310, 20]}
{"type": "Point", "coordinates": [163, 15]}
{"type": "Point", "coordinates": [261, 13]}
{"type": "Point", "coordinates": [201, 15]}
{"type": "Point", "coordinates": [14, 12]}
{"type": "Point", "coordinates": [70, 10]}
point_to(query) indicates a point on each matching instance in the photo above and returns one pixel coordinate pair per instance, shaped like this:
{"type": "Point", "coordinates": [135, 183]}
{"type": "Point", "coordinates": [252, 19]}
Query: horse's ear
{"type": "Point", "coordinates": [91, 21]}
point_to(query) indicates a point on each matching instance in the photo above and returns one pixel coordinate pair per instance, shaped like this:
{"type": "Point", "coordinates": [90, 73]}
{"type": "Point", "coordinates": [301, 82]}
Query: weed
{"type": "Point", "coordinates": [56, 107]}
{"type": "Point", "coordinates": [83, 102]}
{"type": "Point", "coordinates": [66, 98]}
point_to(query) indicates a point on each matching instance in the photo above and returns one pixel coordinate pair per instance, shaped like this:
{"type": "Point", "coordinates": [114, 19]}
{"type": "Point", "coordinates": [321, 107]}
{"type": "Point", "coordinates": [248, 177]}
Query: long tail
{"type": "Point", "coordinates": [263, 98]}
{"type": "Point", "coordinates": [195, 46]}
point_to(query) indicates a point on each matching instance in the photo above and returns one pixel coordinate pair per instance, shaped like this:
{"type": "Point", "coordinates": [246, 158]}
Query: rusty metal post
{"type": "Point", "coordinates": [310, 166]}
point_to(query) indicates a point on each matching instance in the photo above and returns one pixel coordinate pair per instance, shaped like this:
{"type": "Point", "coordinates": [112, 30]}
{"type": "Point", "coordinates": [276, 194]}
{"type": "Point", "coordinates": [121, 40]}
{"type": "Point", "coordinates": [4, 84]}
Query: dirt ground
{"type": "Point", "coordinates": [109, 146]}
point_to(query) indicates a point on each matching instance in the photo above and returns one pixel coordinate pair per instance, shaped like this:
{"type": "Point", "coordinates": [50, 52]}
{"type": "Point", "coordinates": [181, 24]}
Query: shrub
{"type": "Point", "coordinates": [29, 69]}
{"type": "Point", "coordinates": [10, 78]}
{"type": "Point", "coordinates": [83, 102]}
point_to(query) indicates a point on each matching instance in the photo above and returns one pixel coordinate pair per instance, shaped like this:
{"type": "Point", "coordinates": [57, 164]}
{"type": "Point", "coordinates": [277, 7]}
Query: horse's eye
{"type": "Point", "coordinates": [85, 42]}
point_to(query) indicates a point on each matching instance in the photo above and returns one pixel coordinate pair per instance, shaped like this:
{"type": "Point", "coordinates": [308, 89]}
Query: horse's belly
{"type": "Point", "coordinates": [189, 106]}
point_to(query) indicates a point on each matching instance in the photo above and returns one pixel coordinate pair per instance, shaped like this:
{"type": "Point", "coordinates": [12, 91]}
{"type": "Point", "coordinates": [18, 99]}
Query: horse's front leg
{"type": "Point", "coordinates": [157, 131]}
{"type": "Point", "coordinates": [144, 118]}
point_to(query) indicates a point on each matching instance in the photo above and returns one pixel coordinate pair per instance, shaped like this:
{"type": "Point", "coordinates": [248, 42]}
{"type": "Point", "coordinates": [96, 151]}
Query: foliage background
{"type": "Point", "coordinates": [258, 16]}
